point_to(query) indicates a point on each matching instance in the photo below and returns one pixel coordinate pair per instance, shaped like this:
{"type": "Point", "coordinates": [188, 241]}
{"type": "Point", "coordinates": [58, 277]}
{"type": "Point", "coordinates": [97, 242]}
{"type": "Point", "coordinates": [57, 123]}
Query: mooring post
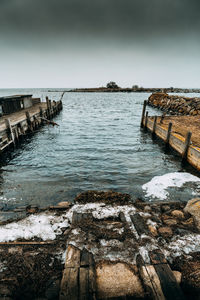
{"type": "Point", "coordinates": [187, 144]}
{"type": "Point", "coordinates": [154, 125]}
{"type": "Point", "coordinates": [41, 112]}
{"type": "Point", "coordinates": [146, 119]}
{"type": "Point", "coordinates": [28, 118]}
{"type": "Point", "coordinates": [168, 133]}
{"type": "Point", "coordinates": [48, 108]}
{"type": "Point", "coordinates": [10, 130]}
{"type": "Point", "coordinates": [143, 113]}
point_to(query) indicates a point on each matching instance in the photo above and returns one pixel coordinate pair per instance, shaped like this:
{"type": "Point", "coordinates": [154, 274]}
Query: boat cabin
{"type": "Point", "coordinates": [11, 104]}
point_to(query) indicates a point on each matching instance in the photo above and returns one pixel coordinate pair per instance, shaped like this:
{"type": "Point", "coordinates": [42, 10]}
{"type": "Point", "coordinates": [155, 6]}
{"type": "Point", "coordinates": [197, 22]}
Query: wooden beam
{"type": "Point", "coordinates": [168, 133]}
{"type": "Point", "coordinates": [150, 279]}
{"type": "Point", "coordinates": [146, 119]}
{"type": "Point", "coordinates": [143, 113]}
{"type": "Point", "coordinates": [170, 287]}
{"type": "Point", "coordinates": [187, 144]}
{"type": "Point", "coordinates": [140, 225]}
{"type": "Point", "coordinates": [10, 130]}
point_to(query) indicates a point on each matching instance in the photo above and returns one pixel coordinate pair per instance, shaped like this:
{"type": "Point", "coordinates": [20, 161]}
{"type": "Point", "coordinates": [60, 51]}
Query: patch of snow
{"type": "Point", "coordinates": [101, 210]}
{"type": "Point", "coordinates": [156, 188]}
{"type": "Point", "coordinates": [145, 215]}
{"type": "Point", "coordinates": [111, 243]}
{"type": "Point", "coordinates": [45, 226]}
{"type": "Point", "coordinates": [184, 244]}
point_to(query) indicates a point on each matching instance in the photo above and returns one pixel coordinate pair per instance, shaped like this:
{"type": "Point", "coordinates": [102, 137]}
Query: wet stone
{"type": "Point", "coordinates": [165, 231]}
{"type": "Point", "coordinates": [165, 208]}
{"type": "Point", "coordinates": [193, 207]}
{"type": "Point", "coordinates": [147, 208]}
{"type": "Point", "coordinates": [170, 222]}
{"type": "Point", "coordinates": [64, 204]}
{"type": "Point", "coordinates": [177, 214]}
{"type": "Point", "coordinates": [153, 230]}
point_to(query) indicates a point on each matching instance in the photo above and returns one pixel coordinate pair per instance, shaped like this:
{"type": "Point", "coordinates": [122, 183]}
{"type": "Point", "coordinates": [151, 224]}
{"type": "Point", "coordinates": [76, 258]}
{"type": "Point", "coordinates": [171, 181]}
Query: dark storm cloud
{"type": "Point", "coordinates": [100, 18]}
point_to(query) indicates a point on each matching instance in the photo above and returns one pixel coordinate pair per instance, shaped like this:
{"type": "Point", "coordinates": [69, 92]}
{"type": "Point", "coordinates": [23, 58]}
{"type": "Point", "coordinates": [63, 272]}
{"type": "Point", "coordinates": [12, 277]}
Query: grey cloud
{"type": "Point", "coordinates": [119, 18]}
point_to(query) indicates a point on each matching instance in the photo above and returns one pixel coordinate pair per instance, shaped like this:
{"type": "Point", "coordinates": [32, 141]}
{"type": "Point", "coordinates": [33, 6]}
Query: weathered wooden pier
{"type": "Point", "coordinates": [178, 139]}
{"type": "Point", "coordinates": [16, 125]}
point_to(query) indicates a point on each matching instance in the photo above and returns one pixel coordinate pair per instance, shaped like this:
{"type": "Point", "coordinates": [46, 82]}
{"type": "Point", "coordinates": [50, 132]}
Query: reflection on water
{"type": "Point", "coordinates": [98, 145]}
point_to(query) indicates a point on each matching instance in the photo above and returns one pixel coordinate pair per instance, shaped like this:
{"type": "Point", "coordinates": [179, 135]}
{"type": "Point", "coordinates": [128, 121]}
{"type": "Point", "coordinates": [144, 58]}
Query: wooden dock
{"type": "Point", "coordinates": [16, 125]}
{"type": "Point", "coordinates": [174, 131]}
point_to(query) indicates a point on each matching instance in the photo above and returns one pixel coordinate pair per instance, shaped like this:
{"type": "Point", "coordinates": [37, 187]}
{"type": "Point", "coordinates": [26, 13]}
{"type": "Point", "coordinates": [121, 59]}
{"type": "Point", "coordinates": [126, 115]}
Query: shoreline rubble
{"type": "Point", "coordinates": [115, 231]}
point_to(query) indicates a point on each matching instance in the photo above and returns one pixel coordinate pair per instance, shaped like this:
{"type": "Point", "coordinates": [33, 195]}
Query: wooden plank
{"type": "Point", "coordinates": [92, 282]}
{"type": "Point", "coordinates": [150, 279]}
{"type": "Point", "coordinates": [85, 258]}
{"type": "Point", "coordinates": [72, 257]}
{"type": "Point", "coordinates": [140, 225]}
{"type": "Point", "coordinates": [81, 217]}
{"type": "Point", "coordinates": [87, 276]}
{"type": "Point", "coordinates": [143, 113]}
{"type": "Point", "coordinates": [69, 284]}
{"type": "Point", "coordinates": [84, 284]}
{"type": "Point", "coordinates": [10, 130]}
{"type": "Point", "coordinates": [170, 287]}
{"type": "Point", "coordinates": [26, 243]}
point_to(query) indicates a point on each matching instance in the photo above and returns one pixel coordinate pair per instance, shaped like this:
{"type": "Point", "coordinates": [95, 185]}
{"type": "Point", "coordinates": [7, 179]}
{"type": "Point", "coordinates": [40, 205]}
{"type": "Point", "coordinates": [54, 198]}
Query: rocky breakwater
{"type": "Point", "coordinates": [175, 104]}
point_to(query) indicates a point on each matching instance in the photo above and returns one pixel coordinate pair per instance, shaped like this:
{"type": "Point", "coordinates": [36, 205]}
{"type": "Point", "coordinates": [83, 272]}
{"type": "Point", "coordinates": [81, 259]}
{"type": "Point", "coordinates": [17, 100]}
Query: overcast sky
{"type": "Point", "coordinates": [84, 43]}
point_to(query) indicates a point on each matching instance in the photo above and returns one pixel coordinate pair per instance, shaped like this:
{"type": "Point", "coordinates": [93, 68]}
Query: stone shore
{"type": "Point", "coordinates": [36, 251]}
{"type": "Point", "coordinates": [175, 104]}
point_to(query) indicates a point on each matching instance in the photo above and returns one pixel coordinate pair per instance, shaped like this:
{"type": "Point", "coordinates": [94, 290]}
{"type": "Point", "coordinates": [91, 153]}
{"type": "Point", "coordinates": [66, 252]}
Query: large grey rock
{"type": "Point", "coordinates": [193, 207]}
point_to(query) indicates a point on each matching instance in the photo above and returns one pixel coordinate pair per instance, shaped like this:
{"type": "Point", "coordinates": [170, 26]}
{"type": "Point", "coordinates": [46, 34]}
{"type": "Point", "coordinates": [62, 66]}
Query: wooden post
{"type": "Point", "coordinates": [154, 125]}
{"type": "Point", "coordinates": [168, 133]}
{"type": "Point", "coordinates": [29, 120]}
{"type": "Point", "coordinates": [146, 119]}
{"type": "Point", "coordinates": [143, 113]}
{"type": "Point", "coordinates": [10, 130]}
{"type": "Point", "coordinates": [48, 108]}
{"type": "Point", "coordinates": [41, 111]}
{"type": "Point", "coordinates": [187, 144]}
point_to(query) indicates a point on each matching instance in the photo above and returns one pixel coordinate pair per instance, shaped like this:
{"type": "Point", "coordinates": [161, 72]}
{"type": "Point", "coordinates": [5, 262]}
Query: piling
{"type": "Point", "coordinates": [15, 126]}
{"type": "Point", "coordinates": [143, 113]}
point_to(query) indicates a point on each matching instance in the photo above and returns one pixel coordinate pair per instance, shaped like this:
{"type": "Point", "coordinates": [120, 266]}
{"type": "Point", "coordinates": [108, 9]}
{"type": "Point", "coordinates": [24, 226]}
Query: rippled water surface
{"type": "Point", "coordinates": [98, 145]}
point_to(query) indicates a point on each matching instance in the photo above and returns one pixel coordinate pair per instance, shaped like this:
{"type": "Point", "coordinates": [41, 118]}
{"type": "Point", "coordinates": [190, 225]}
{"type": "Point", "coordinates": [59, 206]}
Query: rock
{"type": "Point", "coordinates": [153, 230]}
{"type": "Point", "coordinates": [32, 210]}
{"type": "Point", "coordinates": [64, 204]}
{"type": "Point", "coordinates": [170, 222]}
{"type": "Point", "coordinates": [165, 231]}
{"type": "Point", "coordinates": [188, 222]}
{"type": "Point", "coordinates": [147, 208]}
{"type": "Point", "coordinates": [193, 207]}
{"type": "Point", "coordinates": [118, 280]}
{"type": "Point", "coordinates": [165, 208]}
{"type": "Point", "coordinates": [67, 231]}
{"type": "Point", "coordinates": [178, 276]}
{"type": "Point", "coordinates": [177, 214]}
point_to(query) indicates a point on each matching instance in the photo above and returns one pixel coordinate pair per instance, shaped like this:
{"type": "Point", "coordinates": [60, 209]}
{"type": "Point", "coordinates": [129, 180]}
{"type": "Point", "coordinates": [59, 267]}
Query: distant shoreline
{"type": "Point", "coordinates": [133, 90]}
